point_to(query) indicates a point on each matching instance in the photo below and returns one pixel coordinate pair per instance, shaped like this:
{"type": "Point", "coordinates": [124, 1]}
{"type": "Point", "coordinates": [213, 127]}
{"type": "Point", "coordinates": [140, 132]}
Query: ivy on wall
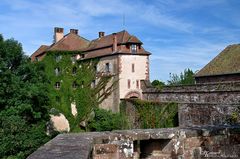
{"type": "Point", "coordinates": [152, 114]}
{"type": "Point", "coordinates": [72, 81]}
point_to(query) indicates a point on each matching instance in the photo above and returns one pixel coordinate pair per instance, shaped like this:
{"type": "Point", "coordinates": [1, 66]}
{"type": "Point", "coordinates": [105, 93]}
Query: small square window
{"type": "Point", "coordinates": [57, 71]}
{"type": "Point", "coordinates": [107, 67]}
{"type": "Point", "coordinates": [73, 59]}
{"type": "Point", "coordinates": [95, 68]}
{"type": "Point", "coordinates": [57, 85]}
{"type": "Point", "coordinates": [82, 84]}
{"type": "Point", "coordinates": [58, 58]}
{"type": "Point", "coordinates": [82, 55]}
{"type": "Point", "coordinates": [93, 84]}
{"type": "Point", "coordinates": [74, 85]}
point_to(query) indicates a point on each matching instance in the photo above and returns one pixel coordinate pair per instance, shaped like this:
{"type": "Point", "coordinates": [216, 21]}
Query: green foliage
{"type": "Point", "coordinates": [107, 121]}
{"type": "Point", "coordinates": [82, 74]}
{"type": "Point", "coordinates": [234, 118]}
{"type": "Point", "coordinates": [158, 84]}
{"type": "Point", "coordinates": [154, 114]}
{"type": "Point", "coordinates": [185, 78]}
{"type": "Point", "coordinates": [23, 101]}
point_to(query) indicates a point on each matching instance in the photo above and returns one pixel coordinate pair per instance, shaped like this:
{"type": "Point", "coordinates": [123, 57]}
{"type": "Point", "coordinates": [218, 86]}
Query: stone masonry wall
{"type": "Point", "coordinates": [200, 104]}
{"type": "Point", "coordinates": [167, 143]}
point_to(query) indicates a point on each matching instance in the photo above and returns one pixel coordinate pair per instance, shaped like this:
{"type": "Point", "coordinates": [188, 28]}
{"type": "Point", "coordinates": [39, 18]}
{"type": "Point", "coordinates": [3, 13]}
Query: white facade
{"type": "Point", "coordinates": [134, 68]}
{"type": "Point", "coordinates": [129, 69]}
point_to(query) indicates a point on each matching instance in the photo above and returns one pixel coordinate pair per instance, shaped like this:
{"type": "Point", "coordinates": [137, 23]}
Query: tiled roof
{"type": "Point", "coordinates": [70, 42]}
{"type": "Point", "coordinates": [39, 51]}
{"type": "Point", "coordinates": [227, 62]}
{"type": "Point", "coordinates": [122, 37]}
{"type": "Point", "coordinates": [95, 48]}
{"type": "Point", "coordinates": [134, 39]}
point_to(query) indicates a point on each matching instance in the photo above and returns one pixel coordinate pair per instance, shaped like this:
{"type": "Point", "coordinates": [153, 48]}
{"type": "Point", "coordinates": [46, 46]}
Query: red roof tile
{"type": "Point", "coordinates": [70, 42]}
{"type": "Point", "coordinates": [39, 51]}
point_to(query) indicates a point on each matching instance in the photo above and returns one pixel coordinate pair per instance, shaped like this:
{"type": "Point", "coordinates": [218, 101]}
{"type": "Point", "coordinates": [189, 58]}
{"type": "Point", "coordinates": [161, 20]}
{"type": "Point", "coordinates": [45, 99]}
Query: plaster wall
{"type": "Point", "coordinates": [140, 73]}
{"type": "Point", "coordinates": [113, 100]}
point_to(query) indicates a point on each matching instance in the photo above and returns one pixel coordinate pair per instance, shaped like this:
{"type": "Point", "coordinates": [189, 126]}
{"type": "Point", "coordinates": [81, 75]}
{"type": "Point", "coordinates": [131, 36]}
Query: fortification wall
{"type": "Point", "coordinates": [200, 104]}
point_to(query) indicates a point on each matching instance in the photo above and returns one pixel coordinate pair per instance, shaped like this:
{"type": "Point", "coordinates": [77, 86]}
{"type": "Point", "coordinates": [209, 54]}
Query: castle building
{"type": "Point", "coordinates": [119, 54]}
{"type": "Point", "coordinates": [224, 67]}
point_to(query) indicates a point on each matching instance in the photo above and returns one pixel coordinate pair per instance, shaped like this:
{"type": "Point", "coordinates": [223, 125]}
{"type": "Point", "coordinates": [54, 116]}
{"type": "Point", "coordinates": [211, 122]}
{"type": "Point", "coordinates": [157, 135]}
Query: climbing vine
{"type": "Point", "coordinates": [74, 82]}
{"type": "Point", "coordinates": [153, 114]}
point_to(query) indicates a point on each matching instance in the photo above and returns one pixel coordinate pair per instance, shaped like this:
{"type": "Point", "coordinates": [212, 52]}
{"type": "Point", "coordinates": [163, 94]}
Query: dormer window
{"type": "Point", "coordinates": [133, 48]}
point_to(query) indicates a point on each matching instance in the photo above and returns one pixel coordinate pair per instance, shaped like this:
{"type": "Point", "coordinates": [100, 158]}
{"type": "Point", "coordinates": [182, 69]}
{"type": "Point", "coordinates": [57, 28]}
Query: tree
{"type": "Point", "coordinates": [23, 101]}
{"type": "Point", "coordinates": [185, 78]}
{"type": "Point", "coordinates": [105, 120]}
{"type": "Point", "coordinates": [158, 84]}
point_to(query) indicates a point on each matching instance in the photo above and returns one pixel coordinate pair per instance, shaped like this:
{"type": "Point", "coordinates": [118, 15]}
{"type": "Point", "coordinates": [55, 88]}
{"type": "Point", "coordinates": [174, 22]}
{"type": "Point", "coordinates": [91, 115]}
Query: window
{"type": "Point", "coordinates": [133, 68]}
{"type": "Point", "coordinates": [74, 85]}
{"type": "Point", "coordinates": [82, 84]}
{"type": "Point", "coordinates": [93, 84]}
{"type": "Point", "coordinates": [74, 70]}
{"type": "Point", "coordinates": [129, 84]}
{"type": "Point", "coordinates": [57, 85]}
{"type": "Point", "coordinates": [82, 55]}
{"type": "Point", "coordinates": [96, 68]}
{"type": "Point", "coordinates": [58, 58]}
{"type": "Point", "coordinates": [133, 48]}
{"type": "Point", "coordinates": [36, 59]}
{"type": "Point", "coordinates": [73, 59]}
{"type": "Point", "coordinates": [107, 67]}
{"type": "Point", "coordinates": [57, 71]}
{"type": "Point", "coordinates": [137, 84]}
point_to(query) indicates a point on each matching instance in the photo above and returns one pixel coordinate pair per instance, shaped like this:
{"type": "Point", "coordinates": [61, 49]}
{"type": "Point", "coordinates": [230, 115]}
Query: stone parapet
{"type": "Point", "coordinates": [194, 142]}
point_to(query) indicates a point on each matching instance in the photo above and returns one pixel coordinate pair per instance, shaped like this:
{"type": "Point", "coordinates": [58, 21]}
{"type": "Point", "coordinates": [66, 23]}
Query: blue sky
{"type": "Point", "coordinates": [179, 34]}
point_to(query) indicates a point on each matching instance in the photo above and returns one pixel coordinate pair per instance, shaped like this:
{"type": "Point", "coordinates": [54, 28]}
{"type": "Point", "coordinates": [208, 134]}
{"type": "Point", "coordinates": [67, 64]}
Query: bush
{"type": "Point", "coordinates": [107, 121]}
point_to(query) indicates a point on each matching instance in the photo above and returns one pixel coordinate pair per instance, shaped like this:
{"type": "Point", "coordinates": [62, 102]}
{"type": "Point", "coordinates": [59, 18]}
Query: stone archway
{"type": "Point", "coordinates": [133, 94]}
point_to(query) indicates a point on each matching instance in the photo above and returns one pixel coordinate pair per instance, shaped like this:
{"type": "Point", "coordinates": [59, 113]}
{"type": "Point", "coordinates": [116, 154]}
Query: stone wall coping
{"type": "Point", "coordinates": [80, 145]}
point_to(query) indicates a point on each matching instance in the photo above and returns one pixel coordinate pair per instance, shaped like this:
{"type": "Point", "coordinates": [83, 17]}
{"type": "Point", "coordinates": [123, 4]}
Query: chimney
{"type": "Point", "coordinates": [114, 42]}
{"type": "Point", "coordinates": [58, 34]}
{"type": "Point", "coordinates": [101, 34]}
{"type": "Point", "coordinates": [74, 31]}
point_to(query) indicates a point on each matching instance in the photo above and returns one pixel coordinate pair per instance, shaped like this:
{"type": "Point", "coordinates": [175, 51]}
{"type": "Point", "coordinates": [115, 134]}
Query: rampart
{"type": "Point", "coordinates": [204, 112]}
{"type": "Point", "coordinates": [200, 104]}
